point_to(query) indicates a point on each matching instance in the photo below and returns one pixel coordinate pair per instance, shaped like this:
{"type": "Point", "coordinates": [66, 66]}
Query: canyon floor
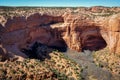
{"type": "Point", "coordinates": [97, 65]}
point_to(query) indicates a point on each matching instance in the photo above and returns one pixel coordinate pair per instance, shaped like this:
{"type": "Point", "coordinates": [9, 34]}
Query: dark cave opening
{"type": "Point", "coordinates": [94, 43]}
{"type": "Point", "coordinates": [41, 51]}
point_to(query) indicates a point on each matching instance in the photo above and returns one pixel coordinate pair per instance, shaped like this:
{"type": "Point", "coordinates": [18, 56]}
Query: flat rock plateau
{"type": "Point", "coordinates": [57, 43]}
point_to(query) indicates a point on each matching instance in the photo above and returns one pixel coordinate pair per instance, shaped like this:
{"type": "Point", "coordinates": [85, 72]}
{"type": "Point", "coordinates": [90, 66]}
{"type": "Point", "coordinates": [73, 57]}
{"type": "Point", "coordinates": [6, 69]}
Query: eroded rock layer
{"type": "Point", "coordinates": [77, 32]}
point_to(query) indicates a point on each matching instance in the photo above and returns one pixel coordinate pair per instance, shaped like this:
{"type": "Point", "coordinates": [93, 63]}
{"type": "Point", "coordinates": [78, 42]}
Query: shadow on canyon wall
{"type": "Point", "coordinates": [92, 41]}
{"type": "Point", "coordinates": [41, 51]}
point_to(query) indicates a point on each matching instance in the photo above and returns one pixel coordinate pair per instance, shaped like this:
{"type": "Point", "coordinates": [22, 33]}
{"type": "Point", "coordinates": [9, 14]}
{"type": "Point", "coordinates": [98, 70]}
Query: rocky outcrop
{"type": "Point", "coordinates": [15, 23]}
{"type": "Point", "coordinates": [39, 19]}
{"type": "Point", "coordinates": [93, 35]}
{"type": "Point", "coordinates": [99, 9]}
{"type": "Point", "coordinates": [111, 33]}
{"type": "Point", "coordinates": [83, 33]}
{"type": "Point", "coordinates": [77, 32]}
{"type": "Point", "coordinates": [2, 53]}
{"type": "Point", "coordinates": [23, 32]}
{"type": "Point", "coordinates": [2, 29]}
{"type": "Point", "coordinates": [102, 9]}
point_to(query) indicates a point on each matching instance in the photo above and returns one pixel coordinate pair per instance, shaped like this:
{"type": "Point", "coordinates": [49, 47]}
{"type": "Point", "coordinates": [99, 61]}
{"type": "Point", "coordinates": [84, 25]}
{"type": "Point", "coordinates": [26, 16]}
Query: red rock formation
{"type": "Point", "coordinates": [2, 53]}
{"type": "Point", "coordinates": [2, 29]}
{"type": "Point", "coordinates": [78, 32]}
{"type": "Point", "coordinates": [83, 33]}
{"type": "Point", "coordinates": [16, 23]}
{"type": "Point", "coordinates": [38, 19]}
{"type": "Point", "coordinates": [111, 32]}
{"type": "Point", "coordinates": [22, 32]}
{"type": "Point", "coordinates": [99, 9]}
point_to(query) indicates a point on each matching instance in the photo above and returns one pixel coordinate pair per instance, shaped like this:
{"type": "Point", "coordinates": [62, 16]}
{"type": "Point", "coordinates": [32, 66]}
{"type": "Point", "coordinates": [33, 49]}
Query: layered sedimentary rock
{"type": "Point", "coordinates": [111, 32]}
{"type": "Point", "coordinates": [22, 32]}
{"type": "Point", "coordinates": [93, 34]}
{"type": "Point", "coordinates": [83, 33]}
{"type": "Point", "coordinates": [2, 29]}
{"type": "Point", "coordinates": [38, 19]}
{"type": "Point", "coordinates": [77, 32]}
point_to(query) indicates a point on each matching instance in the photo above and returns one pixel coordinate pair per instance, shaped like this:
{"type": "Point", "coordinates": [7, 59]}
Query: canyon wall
{"type": "Point", "coordinates": [93, 34]}
{"type": "Point", "coordinates": [110, 31]}
{"type": "Point", "coordinates": [77, 32]}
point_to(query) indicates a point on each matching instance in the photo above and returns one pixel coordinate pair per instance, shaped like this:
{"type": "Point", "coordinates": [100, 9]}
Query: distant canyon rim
{"type": "Point", "coordinates": [70, 30]}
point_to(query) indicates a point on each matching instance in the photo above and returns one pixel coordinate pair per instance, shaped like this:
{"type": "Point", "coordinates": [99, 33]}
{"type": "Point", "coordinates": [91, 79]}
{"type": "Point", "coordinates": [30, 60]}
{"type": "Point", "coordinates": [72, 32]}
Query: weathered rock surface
{"type": "Point", "coordinates": [2, 29]}
{"type": "Point", "coordinates": [38, 20]}
{"type": "Point", "coordinates": [111, 33]}
{"type": "Point", "coordinates": [83, 33]}
{"type": "Point", "coordinates": [2, 53]}
{"type": "Point", "coordinates": [15, 23]}
{"type": "Point", "coordinates": [93, 35]}
{"type": "Point", "coordinates": [77, 32]}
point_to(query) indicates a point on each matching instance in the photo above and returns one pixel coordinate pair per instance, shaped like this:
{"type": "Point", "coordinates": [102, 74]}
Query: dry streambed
{"type": "Point", "coordinates": [99, 65]}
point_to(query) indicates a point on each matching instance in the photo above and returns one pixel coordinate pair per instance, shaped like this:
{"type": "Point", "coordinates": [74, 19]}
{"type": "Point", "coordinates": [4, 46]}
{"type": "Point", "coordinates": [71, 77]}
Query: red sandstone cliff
{"type": "Point", "coordinates": [111, 32]}
{"type": "Point", "coordinates": [77, 32]}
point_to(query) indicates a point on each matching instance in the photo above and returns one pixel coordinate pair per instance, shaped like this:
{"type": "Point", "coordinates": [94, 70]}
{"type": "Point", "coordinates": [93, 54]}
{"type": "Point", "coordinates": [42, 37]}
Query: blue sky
{"type": "Point", "coordinates": [71, 3]}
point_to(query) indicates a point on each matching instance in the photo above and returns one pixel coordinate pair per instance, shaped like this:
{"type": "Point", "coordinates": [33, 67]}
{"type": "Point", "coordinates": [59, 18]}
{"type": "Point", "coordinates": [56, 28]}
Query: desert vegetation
{"type": "Point", "coordinates": [108, 61]}
{"type": "Point", "coordinates": [56, 68]}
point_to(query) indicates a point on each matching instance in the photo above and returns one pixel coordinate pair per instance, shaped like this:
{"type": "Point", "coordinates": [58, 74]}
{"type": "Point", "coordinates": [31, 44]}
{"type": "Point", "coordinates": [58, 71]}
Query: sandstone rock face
{"type": "Point", "coordinates": [2, 20]}
{"type": "Point", "coordinates": [114, 23]}
{"type": "Point", "coordinates": [83, 33]}
{"type": "Point", "coordinates": [2, 52]}
{"type": "Point", "coordinates": [112, 39]}
{"type": "Point", "coordinates": [77, 32]}
{"type": "Point", "coordinates": [111, 23]}
{"type": "Point", "coordinates": [15, 23]}
{"type": "Point", "coordinates": [38, 19]}
{"type": "Point", "coordinates": [22, 33]}
{"type": "Point", "coordinates": [2, 29]}
{"type": "Point", "coordinates": [91, 35]}
{"type": "Point", "coordinates": [111, 33]}
{"type": "Point", "coordinates": [99, 9]}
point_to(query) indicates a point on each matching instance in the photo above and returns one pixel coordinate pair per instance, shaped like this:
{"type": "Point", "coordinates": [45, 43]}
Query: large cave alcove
{"type": "Point", "coordinates": [93, 41]}
{"type": "Point", "coordinates": [41, 51]}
